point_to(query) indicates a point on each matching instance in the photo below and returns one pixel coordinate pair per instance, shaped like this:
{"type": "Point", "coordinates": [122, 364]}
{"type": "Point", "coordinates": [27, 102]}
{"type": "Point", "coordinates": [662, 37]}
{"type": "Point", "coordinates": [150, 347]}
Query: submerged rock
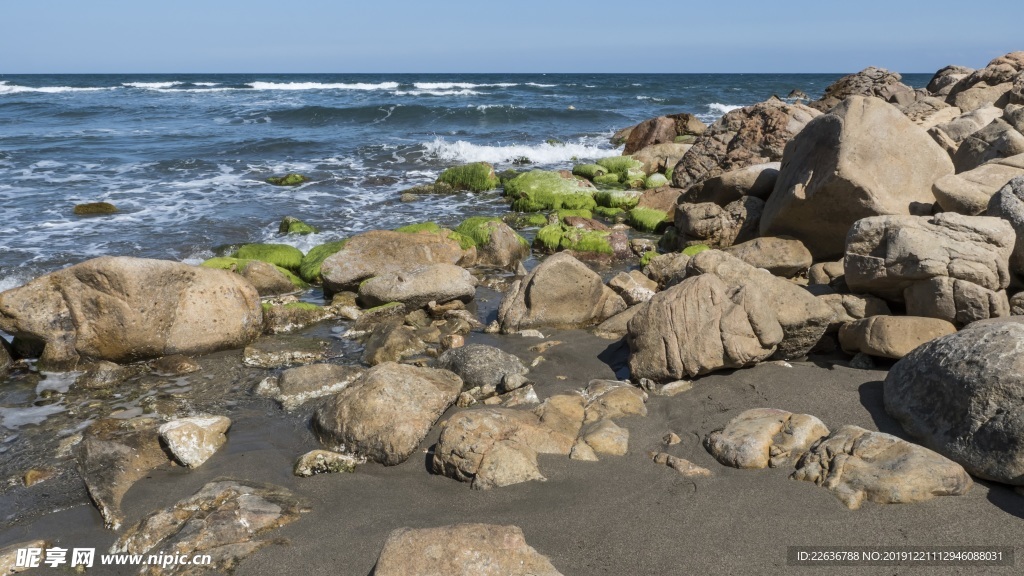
{"type": "Point", "coordinates": [292, 316]}
{"type": "Point", "coordinates": [280, 351]}
{"type": "Point", "coordinates": [95, 209]}
{"type": "Point", "coordinates": [295, 386]}
{"type": "Point", "coordinates": [287, 180]}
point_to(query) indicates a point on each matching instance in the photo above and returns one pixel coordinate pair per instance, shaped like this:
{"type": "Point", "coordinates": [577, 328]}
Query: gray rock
{"type": "Point", "coordinates": [667, 269]}
{"type": "Point", "coordinates": [951, 134]}
{"type": "Point", "coordinates": [962, 395]}
{"type": "Point", "coordinates": [616, 327]}
{"type": "Point", "coordinates": [560, 293]}
{"type": "Point", "coordinates": [281, 351]}
{"type": "Point", "coordinates": [128, 309]}
{"type": "Point", "coordinates": [712, 225]}
{"type": "Point", "coordinates": [633, 287]}
{"type": "Point", "coordinates": [194, 439]}
{"type": "Point", "coordinates": [461, 550]}
{"type": "Point", "coordinates": [1008, 204]}
{"type": "Point", "coordinates": [392, 342]}
{"type": "Point", "coordinates": [858, 465]}
{"type": "Point", "coordinates": [757, 181]}
{"type": "Point", "coordinates": [486, 367]}
{"type": "Point", "coordinates": [865, 158]}
{"type": "Point", "coordinates": [784, 257]}
{"type": "Point", "coordinates": [417, 286]}
{"type": "Point", "coordinates": [224, 520]}
{"type": "Point", "coordinates": [877, 82]}
{"type": "Point", "coordinates": [296, 386]}
{"type": "Point", "coordinates": [891, 336]}
{"type": "Point", "coordinates": [385, 414]}
{"type": "Point", "coordinates": [999, 139]}
{"type": "Point", "coordinates": [105, 374]}
{"type": "Point", "coordinates": [764, 437]}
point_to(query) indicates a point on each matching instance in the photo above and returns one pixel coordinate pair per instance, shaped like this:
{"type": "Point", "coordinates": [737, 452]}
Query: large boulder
{"type": "Point", "coordinates": [784, 257]}
{"type": "Point", "coordinates": [661, 157]}
{"type": "Point", "coordinates": [417, 286]}
{"type": "Point", "coordinates": [1008, 204]}
{"type": "Point", "coordinates": [999, 139]}
{"type": "Point", "coordinates": [127, 309]}
{"type": "Point", "coordinates": [381, 252]}
{"type": "Point", "coordinates": [952, 133]}
{"type": "Point", "coordinates": [944, 79]}
{"type": "Point", "coordinates": [989, 85]}
{"type": "Point", "coordinates": [891, 336]}
{"type": "Point", "coordinates": [757, 180]}
{"type": "Point", "coordinates": [946, 266]}
{"type": "Point", "coordinates": [461, 550]}
{"type": "Point", "coordinates": [962, 395]}
{"type": "Point", "coordinates": [662, 130]}
{"type": "Point", "coordinates": [871, 81]}
{"type": "Point", "coordinates": [709, 224]}
{"type": "Point", "coordinates": [385, 414]}
{"type": "Point", "coordinates": [970, 192]}
{"type": "Point", "coordinates": [858, 465]}
{"type": "Point", "coordinates": [865, 158]}
{"type": "Point", "coordinates": [752, 135]}
{"type": "Point", "coordinates": [560, 293]}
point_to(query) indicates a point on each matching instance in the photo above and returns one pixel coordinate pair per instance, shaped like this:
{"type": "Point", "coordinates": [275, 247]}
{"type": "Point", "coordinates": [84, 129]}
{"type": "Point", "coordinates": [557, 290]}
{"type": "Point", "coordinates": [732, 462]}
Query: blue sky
{"type": "Point", "coordinates": [95, 36]}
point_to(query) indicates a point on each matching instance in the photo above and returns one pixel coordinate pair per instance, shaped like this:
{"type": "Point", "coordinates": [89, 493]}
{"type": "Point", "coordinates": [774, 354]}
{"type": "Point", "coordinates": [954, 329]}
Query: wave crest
{"type": "Point", "coordinates": [464, 152]}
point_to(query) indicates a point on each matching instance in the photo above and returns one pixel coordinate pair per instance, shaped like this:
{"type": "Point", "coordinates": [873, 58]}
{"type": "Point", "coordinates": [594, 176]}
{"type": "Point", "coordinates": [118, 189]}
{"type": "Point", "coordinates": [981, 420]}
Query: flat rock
{"type": "Point", "coordinates": [764, 437]}
{"type": "Point", "coordinates": [281, 351]}
{"type": "Point", "coordinates": [784, 257]}
{"type": "Point", "coordinates": [296, 386]}
{"type": "Point", "coordinates": [486, 367]}
{"type": "Point", "coordinates": [891, 336]}
{"type": "Point", "coordinates": [193, 440]}
{"type": "Point", "coordinates": [417, 286]}
{"type": "Point", "coordinates": [685, 468]}
{"type": "Point", "coordinates": [858, 465]}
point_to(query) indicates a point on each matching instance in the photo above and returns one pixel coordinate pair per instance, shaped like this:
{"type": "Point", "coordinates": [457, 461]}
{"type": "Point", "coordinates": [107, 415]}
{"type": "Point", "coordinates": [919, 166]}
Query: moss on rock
{"type": "Point", "coordinates": [655, 181]}
{"type": "Point", "coordinates": [309, 268]}
{"type": "Point", "coordinates": [287, 180]}
{"type": "Point", "coordinates": [94, 209]}
{"type": "Point", "coordinates": [477, 229]}
{"type": "Point", "coordinates": [430, 227]}
{"type": "Point", "coordinates": [540, 190]}
{"type": "Point", "coordinates": [617, 199]}
{"type": "Point", "coordinates": [620, 165]}
{"type": "Point", "coordinates": [283, 255]}
{"type": "Point", "coordinates": [239, 265]}
{"type": "Point", "coordinates": [589, 171]}
{"type": "Point", "coordinates": [646, 257]}
{"type": "Point", "coordinates": [290, 225]}
{"type": "Point", "coordinates": [558, 237]}
{"type": "Point", "coordinates": [647, 219]}
{"type": "Point", "coordinates": [695, 249]}
{"type": "Point", "coordinates": [475, 177]}
{"type": "Point", "coordinates": [605, 212]}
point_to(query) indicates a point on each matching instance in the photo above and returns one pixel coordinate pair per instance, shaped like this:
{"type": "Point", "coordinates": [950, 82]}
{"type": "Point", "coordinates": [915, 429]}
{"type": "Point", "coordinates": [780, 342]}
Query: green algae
{"type": "Point", "coordinates": [287, 180]}
{"type": "Point", "coordinates": [557, 237]}
{"type": "Point", "coordinates": [655, 181]}
{"type": "Point", "coordinates": [695, 249]}
{"type": "Point", "coordinates": [589, 171]}
{"type": "Point", "coordinates": [282, 255]}
{"type": "Point", "coordinates": [617, 199]}
{"type": "Point", "coordinates": [309, 268]}
{"type": "Point", "coordinates": [239, 266]}
{"type": "Point", "coordinates": [647, 219]}
{"type": "Point", "coordinates": [95, 209]}
{"type": "Point", "coordinates": [606, 212]}
{"type": "Point", "coordinates": [540, 190]}
{"type": "Point", "coordinates": [431, 227]}
{"type": "Point", "coordinates": [620, 165]}
{"type": "Point", "coordinates": [478, 228]}
{"type": "Point", "coordinates": [290, 225]}
{"type": "Point", "coordinates": [646, 257]}
{"type": "Point", "coordinates": [475, 177]}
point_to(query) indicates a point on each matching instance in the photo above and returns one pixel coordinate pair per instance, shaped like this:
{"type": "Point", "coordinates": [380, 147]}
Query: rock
{"type": "Point", "coordinates": [385, 414]}
{"type": "Point", "coordinates": [486, 367]}
{"type": "Point", "coordinates": [415, 287]}
{"type": "Point", "coordinates": [608, 399]}
{"type": "Point", "coordinates": [475, 177]}
{"type": "Point", "coordinates": [309, 268]}
{"type": "Point", "coordinates": [560, 293]}
{"type": "Point", "coordinates": [952, 133]}
{"type": "Point", "coordinates": [112, 456]}
{"type": "Point", "coordinates": [283, 255]}
{"type": "Point", "coordinates": [174, 365]}
{"type": "Point", "coordinates": [853, 307]}
{"type": "Point", "coordinates": [633, 287]}
{"type": "Point", "coordinates": [292, 316]}
{"type": "Point", "coordinates": [928, 112]}
{"type": "Point", "coordinates": [105, 374]}
{"type": "Point", "coordinates": [380, 252]}
{"type": "Point", "coordinates": [95, 209]}
{"type": "Point", "coordinates": [960, 395]}
{"type": "Point", "coordinates": [281, 351]}
{"type": "Point", "coordinates": [980, 95]}
{"type": "Point", "coordinates": [970, 192]}
{"type": "Point", "coordinates": [947, 266]}
{"type": "Point", "coordinates": [1008, 204]}
{"type": "Point", "coordinates": [391, 342]}
{"type": "Point", "coordinates": [323, 462]}
{"type": "Point", "coordinates": [667, 269]}
{"type": "Point", "coordinates": [539, 190]}
{"type": "Point", "coordinates": [287, 180]}
{"type": "Point", "coordinates": [757, 180]}
{"type": "Point", "coordinates": [497, 244]}
{"type": "Point", "coordinates": [709, 224]}
{"type": "Point", "coordinates": [584, 241]}
{"type": "Point", "coordinates": [828, 274]}
{"type": "Point", "coordinates": [605, 437]}
{"type": "Point", "coordinates": [662, 130]}
{"type": "Point", "coordinates": [268, 279]}
{"type": "Point", "coordinates": [685, 468]}
{"type": "Point", "coordinates": [127, 309]}
{"type": "Point", "coordinates": [803, 317]}
{"type": "Point", "coordinates": [781, 256]}
{"type": "Point", "coordinates": [615, 328]}
{"type": "Point", "coordinates": [857, 465]}
{"type": "Point", "coordinates": [764, 437]}
{"type": "Point", "coordinates": [5, 359]}
{"type": "Point", "coordinates": [944, 79]}
{"type": "Point", "coordinates": [224, 520]}
{"type": "Point", "coordinates": [891, 336]}
{"type": "Point", "coordinates": [661, 157]}
{"type": "Point", "coordinates": [999, 139]}
{"type": "Point", "coordinates": [296, 386]}
{"type": "Point", "coordinates": [865, 158]}
{"type": "Point", "coordinates": [193, 440]}
{"type": "Point", "coordinates": [1017, 304]}
{"type": "Point", "coordinates": [877, 82]}
{"type": "Point", "coordinates": [699, 326]}
{"type": "Point", "coordinates": [662, 199]}
{"type": "Point", "coordinates": [291, 225]}
{"type": "Point", "coordinates": [461, 550]}
{"type": "Point", "coordinates": [744, 137]}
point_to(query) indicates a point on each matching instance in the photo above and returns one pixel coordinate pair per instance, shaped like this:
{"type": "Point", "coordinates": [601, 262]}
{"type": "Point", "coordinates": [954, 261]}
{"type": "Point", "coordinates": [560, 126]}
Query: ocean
{"type": "Point", "coordinates": [184, 157]}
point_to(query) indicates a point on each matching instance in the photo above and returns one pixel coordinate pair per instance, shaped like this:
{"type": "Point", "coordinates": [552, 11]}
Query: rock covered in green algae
{"type": "Point", "coordinates": [558, 237]}
{"type": "Point", "coordinates": [655, 181]}
{"type": "Point", "coordinates": [648, 219]}
{"type": "Point", "coordinates": [309, 268]}
{"type": "Point", "coordinates": [269, 280]}
{"type": "Point", "coordinates": [589, 171]}
{"type": "Point", "coordinates": [539, 190]}
{"type": "Point", "coordinates": [95, 209]}
{"type": "Point", "coordinates": [475, 177]}
{"type": "Point", "coordinates": [624, 199]}
{"type": "Point", "coordinates": [287, 180]}
{"type": "Point", "coordinates": [496, 243]}
{"type": "Point", "coordinates": [283, 255]}
{"type": "Point", "coordinates": [292, 225]}
{"type": "Point", "coordinates": [622, 170]}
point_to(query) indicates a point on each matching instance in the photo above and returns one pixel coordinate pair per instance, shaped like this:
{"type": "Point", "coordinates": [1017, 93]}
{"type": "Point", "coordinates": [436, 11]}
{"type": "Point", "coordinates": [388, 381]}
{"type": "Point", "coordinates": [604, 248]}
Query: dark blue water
{"type": "Point", "coordinates": [184, 156]}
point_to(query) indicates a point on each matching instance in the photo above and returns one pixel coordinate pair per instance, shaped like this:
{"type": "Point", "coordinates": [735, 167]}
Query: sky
{"type": "Point", "coordinates": [214, 36]}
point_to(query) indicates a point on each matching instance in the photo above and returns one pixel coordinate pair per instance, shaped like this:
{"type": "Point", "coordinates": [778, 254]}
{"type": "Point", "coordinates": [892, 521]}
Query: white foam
{"type": "Point", "coordinates": [460, 85]}
{"type": "Point", "coordinates": [461, 151]}
{"type": "Point", "coordinates": [13, 280]}
{"type": "Point", "coordinates": [151, 85]}
{"type": "Point", "coordinates": [722, 108]}
{"type": "Point", "coordinates": [206, 83]}
{"type": "Point", "coordinates": [651, 98]}
{"type": "Point", "coordinates": [536, 85]}
{"type": "Point", "coordinates": [14, 418]}
{"type": "Point", "coordinates": [5, 88]}
{"type": "Point", "coordinates": [463, 92]}
{"type": "Point", "coordinates": [322, 86]}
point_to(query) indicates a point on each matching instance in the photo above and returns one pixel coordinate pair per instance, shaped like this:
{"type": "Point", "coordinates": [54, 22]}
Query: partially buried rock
{"type": "Point", "coordinates": [280, 351]}
{"type": "Point", "coordinates": [487, 367]}
{"type": "Point", "coordinates": [295, 386]}
{"type": "Point", "coordinates": [95, 209]}
{"type": "Point", "coordinates": [560, 293]}
{"type": "Point", "coordinates": [323, 462]}
{"type": "Point", "coordinates": [963, 396]}
{"type": "Point", "coordinates": [104, 374]}
{"type": "Point", "coordinates": [224, 520]}
{"type": "Point", "coordinates": [385, 414]}
{"type": "Point", "coordinates": [685, 468]}
{"type": "Point", "coordinates": [784, 257]}
{"type": "Point", "coordinates": [417, 286]}
{"type": "Point", "coordinates": [461, 550]}
{"type": "Point", "coordinates": [764, 437]}
{"type": "Point", "coordinates": [858, 465]}
{"type": "Point", "coordinates": [174, 365]}
{"type": "Point", "coordinates": [891, 336]}
{"type": "Point", "coordinates": [193, 440]}
{"type": "Point", "coordinates": [112, 456]}
{"type": "Point", "coordinates": [392, 342]}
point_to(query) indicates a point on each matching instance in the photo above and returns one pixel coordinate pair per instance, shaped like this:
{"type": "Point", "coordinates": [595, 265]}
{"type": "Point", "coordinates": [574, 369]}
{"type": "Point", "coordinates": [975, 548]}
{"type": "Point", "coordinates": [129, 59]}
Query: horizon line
{"type": "Point", "coordinates": [413, 73]}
